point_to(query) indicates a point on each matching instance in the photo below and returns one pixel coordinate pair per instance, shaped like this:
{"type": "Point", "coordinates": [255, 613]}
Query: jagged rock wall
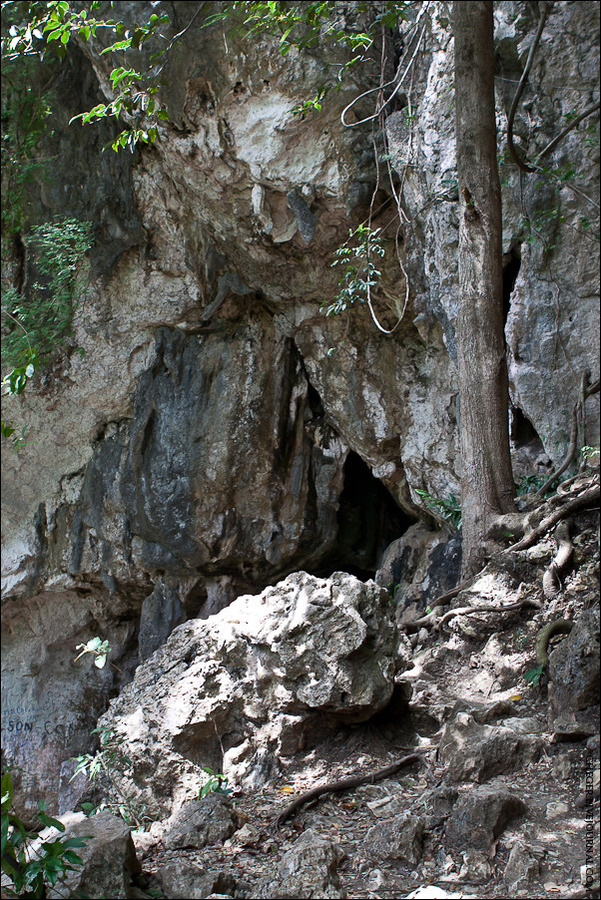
{"type": "Point", "coordinates": [201, 445]}
{"type": "Point", "coordinates": [550, 224]}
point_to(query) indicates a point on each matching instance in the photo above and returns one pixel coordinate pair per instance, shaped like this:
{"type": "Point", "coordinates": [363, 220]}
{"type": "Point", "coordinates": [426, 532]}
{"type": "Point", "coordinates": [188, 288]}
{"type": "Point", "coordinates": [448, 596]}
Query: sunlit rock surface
{"type": "Point", "coordinates": [209, 430]}
{"type": "Point", "coordinates": [259, 681]}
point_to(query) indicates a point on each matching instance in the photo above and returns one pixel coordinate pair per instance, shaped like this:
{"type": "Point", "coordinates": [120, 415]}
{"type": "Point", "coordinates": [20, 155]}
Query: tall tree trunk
{"type": "Point", "coordinates": [486, 478]}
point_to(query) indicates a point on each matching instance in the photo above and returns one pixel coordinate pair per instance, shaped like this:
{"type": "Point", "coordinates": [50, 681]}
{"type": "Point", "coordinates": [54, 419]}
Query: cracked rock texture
{"type": "Point", "coordinates": [219, 432]}
{"type": "Point", "coordinates": [261, 680]}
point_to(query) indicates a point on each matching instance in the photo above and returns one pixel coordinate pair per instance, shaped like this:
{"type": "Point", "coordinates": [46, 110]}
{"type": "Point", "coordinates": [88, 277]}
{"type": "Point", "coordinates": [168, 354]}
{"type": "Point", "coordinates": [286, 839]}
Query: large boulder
{"type": "Point", "coordinates": [308, 870]}
{"type": "Point", "coordinates": [108, 856]}
{"type": "Point", "coordinates": [255, 682]}
{"type": "Point", "coordinates": [474, 751]}
{"type": "Point", "coordinates": [183, 880]}
{"type": "Point", "coordinates": [574, 666]}
{"type": "Point", "coordinates": [480, 816]}
{"type": "Point", "coordinates": [398, 838]}
{"type": "Point", "coordinates": [209, 820]}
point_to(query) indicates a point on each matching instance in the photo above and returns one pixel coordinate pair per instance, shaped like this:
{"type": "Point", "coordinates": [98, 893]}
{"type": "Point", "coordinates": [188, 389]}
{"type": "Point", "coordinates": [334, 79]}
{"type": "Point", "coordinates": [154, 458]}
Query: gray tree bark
{"type": "Point", "coordinates": [486, 477]}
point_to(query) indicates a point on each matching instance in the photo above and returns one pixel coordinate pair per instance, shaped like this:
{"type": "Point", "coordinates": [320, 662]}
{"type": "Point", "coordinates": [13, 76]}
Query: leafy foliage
{"type": "Point", "coordinates": [36, 325]}
{"type": "Point", "coordinates": [589, 452]}
{"type": "Point", "coordinates": [108, 756]}
{"type": "Point", "coordinates": [305, 26]}
{"type": "Point", "coordinates": [46, 30]}
{"type": "Point", "coordinates": [98, 647]}
{"type": "Point", "coordinates": [215, 784]}
{"type": "Point", "coordinates": [110, 760]}
{"type": "Point", "coordinates": [26, 112]}
{"type": "Point", "coordinates": [449, 509]}
{"type": "Point", "coordinates": [33, 869]}
{"type": "Point", "coordinates": [359, 272]}
{"type": "Point", "coordinates": [533, 676]}
{"type": "Point", "coordinates": [530, 484]}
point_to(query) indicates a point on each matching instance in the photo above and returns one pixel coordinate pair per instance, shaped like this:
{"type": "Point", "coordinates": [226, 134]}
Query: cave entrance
{"type": "Point", "coordinates": [512, 262]}
{"type": "Point", "coordinates": [368, 521]}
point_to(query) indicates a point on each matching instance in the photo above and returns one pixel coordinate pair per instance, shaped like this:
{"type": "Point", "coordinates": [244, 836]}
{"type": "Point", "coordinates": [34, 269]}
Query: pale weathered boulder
{"type": "Point", "coordinates": [474, 751]}
{"type": "Point", "coordinates": [108, 856]}
{"type": "Point", "coordinates": [308, 870]}
{"type": "Point", "coordinates": [254, 682]}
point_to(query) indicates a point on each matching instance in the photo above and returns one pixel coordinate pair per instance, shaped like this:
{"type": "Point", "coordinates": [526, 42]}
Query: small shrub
{"type": "Point", "coordinates": [449, 510]}
{"type": "Point", "coordinates": [41, 321]}
{"type": "Point", "coordinates": [215, 784]}
{"type": "Point", "coordinates": [32, 869]}
{"type": "Point", "coordinates": [110, 760]}
{"type": "Point", "coordinates": [359, 273]}
{"type": "Point", "coordinates": [530, 484]}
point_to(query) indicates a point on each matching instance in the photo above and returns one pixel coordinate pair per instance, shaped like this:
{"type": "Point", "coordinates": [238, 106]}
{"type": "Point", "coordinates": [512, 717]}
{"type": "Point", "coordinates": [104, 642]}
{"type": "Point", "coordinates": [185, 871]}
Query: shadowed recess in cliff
{"type": "Point", "coordinates": [368, 521]}
{"type": "Point", "coordinates": [512, 262]}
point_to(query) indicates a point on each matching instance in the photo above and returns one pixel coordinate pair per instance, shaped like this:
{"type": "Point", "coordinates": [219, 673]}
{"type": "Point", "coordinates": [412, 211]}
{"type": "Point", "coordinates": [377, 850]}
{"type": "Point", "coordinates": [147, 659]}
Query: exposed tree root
{"type": "Point", "coordinates": [590, 493]}
{"type": "Point", "coordinates": [586, 390]}
{"type": "Point", "coordinates": [587, 498]}
{"type": "Point", "coordinates": [442, 600]}
{"type": "Point", "coordinates": [559, 626]}
{"type": "Point", "coordinates": [470, 610]}
{"type": "Point", "coordinates": [346, 784]}
{"type": "Point", "coordinates": [553, 577]}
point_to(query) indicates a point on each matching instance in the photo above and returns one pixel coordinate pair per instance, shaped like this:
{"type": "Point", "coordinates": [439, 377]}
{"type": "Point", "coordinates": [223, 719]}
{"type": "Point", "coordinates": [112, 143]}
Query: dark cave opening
{"type": "Point", "coordinates": [368, 521]}
{"type": "Point", "coordinates": [522, 431]}
{"type": "Point", "coordinates": [511, 267]}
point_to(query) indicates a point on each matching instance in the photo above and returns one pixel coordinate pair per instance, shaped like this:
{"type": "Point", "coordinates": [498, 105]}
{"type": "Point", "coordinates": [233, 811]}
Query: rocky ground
{"type": "Point", "coordinates": [520, 831]}
{"type": "Point", "coordinates": [502, 800]}
{"type": "Point", "coordinates": [499, 808]}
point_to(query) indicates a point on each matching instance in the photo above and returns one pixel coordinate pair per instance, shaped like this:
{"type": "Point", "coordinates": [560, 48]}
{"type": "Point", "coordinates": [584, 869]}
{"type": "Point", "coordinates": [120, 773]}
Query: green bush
{"type": "Point", "coordinates": [42, 319]}
{"type": "Point", "coordinates": [449, 510]}
{"type": "Point", "coordinates": [33, 868]}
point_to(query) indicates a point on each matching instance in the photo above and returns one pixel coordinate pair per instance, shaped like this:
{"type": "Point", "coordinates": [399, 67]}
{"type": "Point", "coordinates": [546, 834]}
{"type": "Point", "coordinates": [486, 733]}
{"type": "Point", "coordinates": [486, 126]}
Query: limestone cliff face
{"type": "Point", "coordinates": [220, 432]}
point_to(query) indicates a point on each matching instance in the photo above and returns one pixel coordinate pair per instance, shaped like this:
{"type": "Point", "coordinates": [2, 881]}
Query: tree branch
{"type": "Point", "coordinates": [585, 392]}
{"type": "Point", "coordinates": [520, 163]}
{"type": "Point", "coordinates": [551, 146]}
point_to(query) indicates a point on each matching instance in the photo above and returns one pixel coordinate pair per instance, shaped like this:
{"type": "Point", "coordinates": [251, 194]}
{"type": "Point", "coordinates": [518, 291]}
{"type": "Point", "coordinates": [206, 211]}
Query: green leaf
{"type": "Point", "coordinates": [6, 431]}
{"type": "Point", "coordinates": [118, 45]}
{"type": "Point", "coordinates": [71, 857]}
{"type": "Point", "coordinates": [49, 821]}
{"type": "Point", "coordinates": [77, 841]}
{"type": "Point", "coordinates": [33, 870]}
{"type": "Point", "coordinates": [534, 675]}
